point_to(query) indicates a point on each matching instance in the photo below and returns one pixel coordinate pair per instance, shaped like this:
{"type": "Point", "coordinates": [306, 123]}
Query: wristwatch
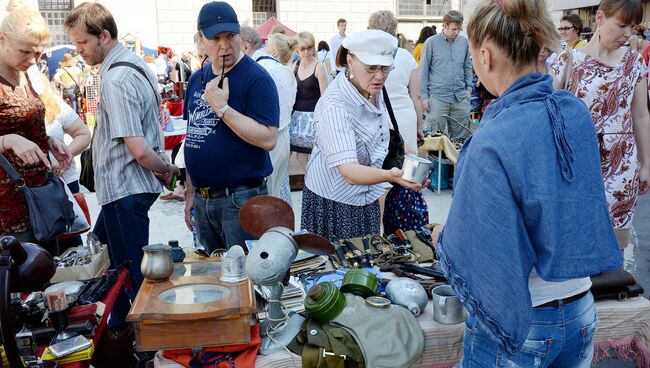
{"type": "Point", "coordinates": [222, 111]}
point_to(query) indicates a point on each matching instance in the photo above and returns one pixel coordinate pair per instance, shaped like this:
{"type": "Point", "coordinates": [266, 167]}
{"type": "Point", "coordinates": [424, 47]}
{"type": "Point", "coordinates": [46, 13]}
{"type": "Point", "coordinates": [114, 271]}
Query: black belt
{"type": "Point", "coordinates": [565, 301]}
{"type": "Point", "coordinates": [214, 192]}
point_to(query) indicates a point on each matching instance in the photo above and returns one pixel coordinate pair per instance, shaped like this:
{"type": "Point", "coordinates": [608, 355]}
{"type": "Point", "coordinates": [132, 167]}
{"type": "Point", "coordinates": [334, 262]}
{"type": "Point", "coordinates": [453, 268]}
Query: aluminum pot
{"type": "Point", "coordinates": [157, 264]}
{"type": "Point", "coordinates": [447, 307]}
{"type": "Point", "coordinates": [415, 169]}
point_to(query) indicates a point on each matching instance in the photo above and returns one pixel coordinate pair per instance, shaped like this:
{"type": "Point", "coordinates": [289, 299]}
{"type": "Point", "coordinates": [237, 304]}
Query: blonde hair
{"type": "Point", "coordinates": [518, 27]}
{"type": "Point", "coordinates": [277, 29]}
{"type": "Point", "coordinates": [307, 38]}
{"type": "Point", "coordinates": [23, 23]}
{"type": "Point", "coordinates": [50, 100]}
{"type": "Point", "coordinates": [283, 45]}
{"type": "Point", "coordinates": [383, 20]}
{"type": "Point", "coordinates": [148, 58]}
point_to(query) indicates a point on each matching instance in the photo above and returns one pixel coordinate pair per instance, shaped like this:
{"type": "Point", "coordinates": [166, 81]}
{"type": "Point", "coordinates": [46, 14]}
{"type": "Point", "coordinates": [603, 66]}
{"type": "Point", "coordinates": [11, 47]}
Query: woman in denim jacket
{"type": "Point", "coordinates": [529, 223]}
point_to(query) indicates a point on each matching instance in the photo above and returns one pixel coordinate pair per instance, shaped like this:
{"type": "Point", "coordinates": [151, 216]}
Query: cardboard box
{"type": "Point", "coordinates": [96, 268]}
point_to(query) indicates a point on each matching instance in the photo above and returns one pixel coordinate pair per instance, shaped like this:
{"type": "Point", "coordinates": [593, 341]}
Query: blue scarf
{"type": "Point", "coordinates": [528, 192]}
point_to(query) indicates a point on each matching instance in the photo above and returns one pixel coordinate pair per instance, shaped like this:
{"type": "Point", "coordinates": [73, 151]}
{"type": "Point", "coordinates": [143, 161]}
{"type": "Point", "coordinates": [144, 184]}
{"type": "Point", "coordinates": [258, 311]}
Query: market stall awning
{"type": "Point", "coordinates": [265, 28]}
{"type": "Point", "coordinates": [572, 4]}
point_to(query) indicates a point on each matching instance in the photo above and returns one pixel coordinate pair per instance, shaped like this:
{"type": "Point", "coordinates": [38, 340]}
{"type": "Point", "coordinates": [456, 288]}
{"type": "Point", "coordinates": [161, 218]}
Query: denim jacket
{"type": "Point", "coordinates": [528, 193]}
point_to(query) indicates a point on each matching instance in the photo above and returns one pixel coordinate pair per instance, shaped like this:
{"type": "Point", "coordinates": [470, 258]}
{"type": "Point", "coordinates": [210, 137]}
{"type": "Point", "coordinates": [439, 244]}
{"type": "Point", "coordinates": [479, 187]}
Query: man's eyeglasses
{"type": "Point", "coordinates": [562, 29]}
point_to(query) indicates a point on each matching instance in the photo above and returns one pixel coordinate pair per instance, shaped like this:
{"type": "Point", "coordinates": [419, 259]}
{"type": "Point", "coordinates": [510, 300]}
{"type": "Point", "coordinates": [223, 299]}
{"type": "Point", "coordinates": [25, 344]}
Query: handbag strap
{"type": "Point", "coordinates": [71, 77]}
{"type": "Point", "coordinates": [13, 174]}
{"type": "Point", "coordinates": [139, 70]}
{"type": "Point", "coordinates": [390, 109]}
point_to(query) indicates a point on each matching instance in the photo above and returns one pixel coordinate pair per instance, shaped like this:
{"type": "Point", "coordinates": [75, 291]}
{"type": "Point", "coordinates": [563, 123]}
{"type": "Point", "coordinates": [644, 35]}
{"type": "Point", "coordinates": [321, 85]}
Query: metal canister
{"type": "Point", "coordinates": [324, 302]}
{"type": "Point", "coordinates": [360, 282]}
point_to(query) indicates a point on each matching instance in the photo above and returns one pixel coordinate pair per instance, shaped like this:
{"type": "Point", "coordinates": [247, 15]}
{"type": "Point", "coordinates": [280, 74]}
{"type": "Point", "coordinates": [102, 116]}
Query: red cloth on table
{"type": "Point", "coordinates": [173, 141]}
{"type": "Point", "coordinates": [244, 354]}
{"type": "Point", "coordinates": [175, 108]}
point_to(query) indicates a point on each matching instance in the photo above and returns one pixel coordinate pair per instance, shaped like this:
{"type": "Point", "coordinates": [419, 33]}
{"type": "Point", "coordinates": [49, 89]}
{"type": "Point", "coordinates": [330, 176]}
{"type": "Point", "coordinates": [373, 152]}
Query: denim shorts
{"type": "Point", "coordinates": [559, 337]}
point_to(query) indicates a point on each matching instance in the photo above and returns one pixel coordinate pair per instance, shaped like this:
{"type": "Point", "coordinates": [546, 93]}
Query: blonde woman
{"type": "Point", "coordinates": [312, 83]}
{"type": "Point", "coordinates": [526, 283]}
{"type": "Point", "coordinates": [23, 139]}
{"type": "Point", "coordinates": [275, 58]}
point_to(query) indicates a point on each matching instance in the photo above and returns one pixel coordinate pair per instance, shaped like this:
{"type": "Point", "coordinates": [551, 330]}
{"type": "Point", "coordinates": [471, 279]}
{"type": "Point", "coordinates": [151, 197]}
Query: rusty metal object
{"type": "Point", "coordinates": [264, 212]}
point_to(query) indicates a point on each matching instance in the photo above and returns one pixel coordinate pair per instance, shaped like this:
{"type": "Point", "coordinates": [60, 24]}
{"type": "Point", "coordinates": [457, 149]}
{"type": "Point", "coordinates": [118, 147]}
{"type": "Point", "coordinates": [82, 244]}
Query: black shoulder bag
{"type": "Point", "coordinates": [50, 211]}
{"type": "Point", "coordinates": [87, 176]}
{"type": "Point", "coordinates": [395, 156]}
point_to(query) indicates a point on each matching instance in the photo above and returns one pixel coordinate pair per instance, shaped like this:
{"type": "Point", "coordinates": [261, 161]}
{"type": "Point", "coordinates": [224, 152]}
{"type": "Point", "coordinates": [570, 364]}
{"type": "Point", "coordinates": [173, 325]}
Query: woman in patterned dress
{"type": "Point", "coordinates": [23, 139]}
{"type": "Point", "coordinates": [612, 81]}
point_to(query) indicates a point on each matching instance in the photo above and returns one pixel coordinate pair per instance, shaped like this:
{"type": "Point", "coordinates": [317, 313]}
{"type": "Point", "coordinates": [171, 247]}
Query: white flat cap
{"type": "Point", "coordinates": [372, 47]}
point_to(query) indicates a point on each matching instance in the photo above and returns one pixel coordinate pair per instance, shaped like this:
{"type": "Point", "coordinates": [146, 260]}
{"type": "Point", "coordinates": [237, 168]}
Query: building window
{"type": "Point", "coordinates": [263, 10]}
{"type": "Point", "coordinates": [422, 8]}
{"type": "Point", "coordinates": [55, 12]}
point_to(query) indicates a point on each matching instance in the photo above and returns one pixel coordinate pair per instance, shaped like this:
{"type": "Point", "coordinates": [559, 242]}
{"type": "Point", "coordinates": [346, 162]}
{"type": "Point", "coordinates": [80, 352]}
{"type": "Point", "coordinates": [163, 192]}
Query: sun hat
{"type": "Point", "coordinates": [372, 47]}
{"type": "Point", "coordinates": [217, 17]}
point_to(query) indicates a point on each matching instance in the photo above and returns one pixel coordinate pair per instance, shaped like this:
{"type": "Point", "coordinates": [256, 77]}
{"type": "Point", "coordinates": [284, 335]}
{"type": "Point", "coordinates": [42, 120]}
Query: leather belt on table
{"type": "Point", "coordinates": [215, 192]}
{"type": "Point", "coordinates": [565, 301]}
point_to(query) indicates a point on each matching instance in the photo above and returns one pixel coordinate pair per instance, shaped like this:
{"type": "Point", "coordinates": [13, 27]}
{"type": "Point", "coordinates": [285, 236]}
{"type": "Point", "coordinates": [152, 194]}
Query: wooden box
{"type": "Point", "coordinates": [164, 325]}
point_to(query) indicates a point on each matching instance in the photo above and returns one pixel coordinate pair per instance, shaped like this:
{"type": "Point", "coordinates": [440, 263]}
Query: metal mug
{"type": "Point", "coordinates": [447, 307]}
{"type": "Point", "coordinates": [415, 169]}
{"type": "Point", "coordinates": [157, 264]}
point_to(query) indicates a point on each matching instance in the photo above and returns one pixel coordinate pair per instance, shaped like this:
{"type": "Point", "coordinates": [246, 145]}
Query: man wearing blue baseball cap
{"type": "Point", "coordinates": [231, 105]}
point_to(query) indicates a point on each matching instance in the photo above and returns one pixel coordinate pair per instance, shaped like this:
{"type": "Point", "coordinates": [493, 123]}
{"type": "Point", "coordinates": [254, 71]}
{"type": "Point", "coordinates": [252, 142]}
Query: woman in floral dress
{"type": "Point", "coordinates": [612, 81]}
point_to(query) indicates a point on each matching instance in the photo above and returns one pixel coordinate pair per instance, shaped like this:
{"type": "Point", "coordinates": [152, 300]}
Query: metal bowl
{"type": "Point", "coordinates": [416, 169]}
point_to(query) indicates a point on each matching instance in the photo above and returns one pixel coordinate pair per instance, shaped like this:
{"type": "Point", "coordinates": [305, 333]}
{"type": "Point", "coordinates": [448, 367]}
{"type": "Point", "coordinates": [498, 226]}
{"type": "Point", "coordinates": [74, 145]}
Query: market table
{"type": "Point", "coordinates": [623, 326]}
{"type": "Point", "coordinates": [439, 143]}
{"type": "Point", "coordinates": [176, 136]}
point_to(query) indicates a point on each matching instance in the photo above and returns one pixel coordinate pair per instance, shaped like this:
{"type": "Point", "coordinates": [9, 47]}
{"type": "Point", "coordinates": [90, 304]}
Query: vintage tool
{"type": "Point", "coordinates": [404, 243]}
{"type": "Point", "coordinates": [424, 234]}
{"type": "Point", "coordinates": [366, 250]}
{"type": "Point", "coordinates": [95, 289]}
{"type": "Point", "coordinates": [407, 293]}
{"type": "Point", "coordinates": [340, 254]}
{"type": "Point", "coordinates": [354, 255]}
{"type": "Point", "coordinates": [267, 263]}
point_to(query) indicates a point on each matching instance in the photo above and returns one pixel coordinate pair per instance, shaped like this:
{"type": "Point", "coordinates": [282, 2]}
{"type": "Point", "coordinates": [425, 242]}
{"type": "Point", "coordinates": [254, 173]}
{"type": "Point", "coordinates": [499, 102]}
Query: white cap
{"type": "Point", "coordinates": [372, 47]}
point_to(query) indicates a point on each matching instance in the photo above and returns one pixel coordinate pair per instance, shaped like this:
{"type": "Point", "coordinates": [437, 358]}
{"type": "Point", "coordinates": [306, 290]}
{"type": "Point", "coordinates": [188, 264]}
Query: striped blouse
{"type": "Point", "coordinates": [349, 129]}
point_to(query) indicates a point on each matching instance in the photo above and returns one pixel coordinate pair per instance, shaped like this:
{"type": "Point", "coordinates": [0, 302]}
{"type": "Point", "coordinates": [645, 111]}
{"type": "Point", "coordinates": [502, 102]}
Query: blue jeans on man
{"type": "Point", "coordinates": [560, 336]}
{"type": "Point", "coordinates": [217, 218]}
{"type": "Point", "coordinates": [124, 225]}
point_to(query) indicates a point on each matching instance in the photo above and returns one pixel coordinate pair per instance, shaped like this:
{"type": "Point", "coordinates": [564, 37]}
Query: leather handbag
{"type": "Point", "coordinates": [50, 211]}
{"type": "Point", "coordinates": [615, 284]}
{"type": "Point", "coordinates": [395, 155]}
{"type": "Point", "coordinates": [87, 175]}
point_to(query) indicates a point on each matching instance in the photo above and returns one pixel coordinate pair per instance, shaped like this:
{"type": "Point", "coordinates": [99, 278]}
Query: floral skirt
{"type": "Point", "coordinates": [404, 209]}
{"type": "Point", "coordinates": [334, 220]}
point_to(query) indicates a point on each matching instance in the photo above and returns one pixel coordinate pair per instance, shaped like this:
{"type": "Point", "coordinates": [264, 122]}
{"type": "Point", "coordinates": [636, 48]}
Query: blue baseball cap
{"type": "Point", "coordinates": [217, 17]}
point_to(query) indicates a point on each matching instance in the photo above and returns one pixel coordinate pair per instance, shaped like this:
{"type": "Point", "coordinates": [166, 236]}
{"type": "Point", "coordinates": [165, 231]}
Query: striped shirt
{"type": "Point", "coordinates": [127, 108]}
{"type": "Point", "coordinates": [349, 129]}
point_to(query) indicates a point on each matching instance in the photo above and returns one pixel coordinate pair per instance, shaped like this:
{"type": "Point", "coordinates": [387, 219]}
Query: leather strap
{"type": "Point", "coordinates": [390, 109]}
{"type": "Point", "coordinates": [13, 174]}
{"type": "Point", "coordinates": [139, 70]}
{"type": "Point", "coordinates": [565, 301]}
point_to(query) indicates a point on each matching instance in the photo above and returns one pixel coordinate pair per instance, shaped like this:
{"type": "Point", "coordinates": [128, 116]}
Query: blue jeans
{"type": "Point", "coordinates": [124, 225]}
{"type": "Point", "coordinates": [217, 219]}
{"type": "Point", "coordinates": [559, 337]}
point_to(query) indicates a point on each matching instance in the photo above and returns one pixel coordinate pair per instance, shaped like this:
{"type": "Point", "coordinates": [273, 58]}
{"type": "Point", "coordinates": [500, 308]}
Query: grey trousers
{"type": "Point", "coordinates": [459, 111]}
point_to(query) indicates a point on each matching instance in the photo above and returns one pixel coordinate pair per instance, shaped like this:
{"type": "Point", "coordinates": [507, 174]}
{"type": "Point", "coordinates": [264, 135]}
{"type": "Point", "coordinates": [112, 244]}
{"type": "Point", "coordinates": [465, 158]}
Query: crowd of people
{"type": "Point", "coordinates": [548, 184]}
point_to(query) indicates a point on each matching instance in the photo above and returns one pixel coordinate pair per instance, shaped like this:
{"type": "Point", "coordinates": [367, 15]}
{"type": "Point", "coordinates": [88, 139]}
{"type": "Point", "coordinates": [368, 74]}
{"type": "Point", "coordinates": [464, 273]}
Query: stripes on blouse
{"type": "Point", "coordinates": [349, 129]}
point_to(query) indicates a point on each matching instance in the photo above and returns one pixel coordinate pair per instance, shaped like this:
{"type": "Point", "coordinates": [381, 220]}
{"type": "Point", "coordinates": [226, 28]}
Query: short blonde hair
{"type": "Point", "coordinates": [283, 45]}
{"type": "Point", "coordinates": [22, 23]}
{"type": "Point", "coordinates": [307, 38]}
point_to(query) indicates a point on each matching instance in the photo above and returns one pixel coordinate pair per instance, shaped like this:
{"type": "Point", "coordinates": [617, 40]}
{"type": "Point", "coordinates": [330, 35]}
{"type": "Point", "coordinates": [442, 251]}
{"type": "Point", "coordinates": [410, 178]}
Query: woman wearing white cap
{"type": "Point", "coordinates": [344, 178]}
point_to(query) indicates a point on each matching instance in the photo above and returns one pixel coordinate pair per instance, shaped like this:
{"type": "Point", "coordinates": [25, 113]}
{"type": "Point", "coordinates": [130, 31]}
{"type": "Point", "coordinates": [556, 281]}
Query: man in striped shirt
{"type": "Point", "coordinates": [125, 143]}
